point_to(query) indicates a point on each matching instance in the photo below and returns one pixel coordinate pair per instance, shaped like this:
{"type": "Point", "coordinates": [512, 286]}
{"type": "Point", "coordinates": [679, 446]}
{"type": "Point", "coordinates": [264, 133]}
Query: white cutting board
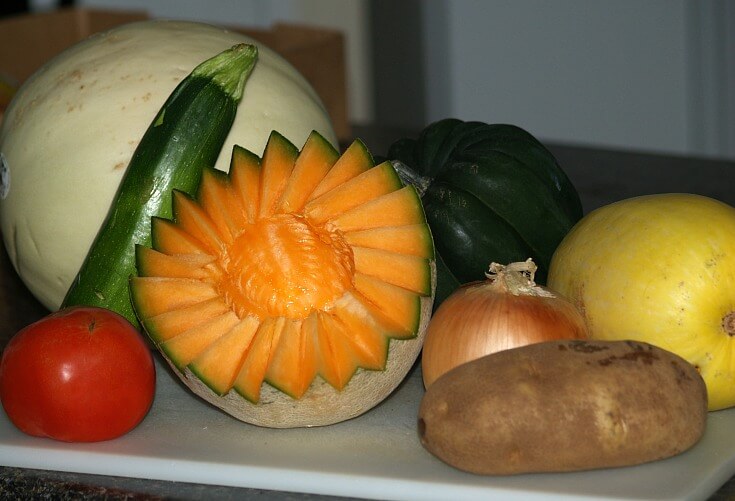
{"type": "Point", "coordinates": [377, 455]}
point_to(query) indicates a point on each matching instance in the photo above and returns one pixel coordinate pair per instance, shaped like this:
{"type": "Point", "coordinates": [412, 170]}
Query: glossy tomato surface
{"type": "Point", "coordinates": [78, 375]}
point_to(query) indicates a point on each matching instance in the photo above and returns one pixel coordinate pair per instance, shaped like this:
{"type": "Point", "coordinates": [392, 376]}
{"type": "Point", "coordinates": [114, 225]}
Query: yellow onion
{"type": "Point", "coordinates": [505, 311]}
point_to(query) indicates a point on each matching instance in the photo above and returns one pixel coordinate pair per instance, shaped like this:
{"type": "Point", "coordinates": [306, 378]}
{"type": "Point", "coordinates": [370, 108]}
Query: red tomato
{"type": "Point", "coordinates": [79, 375]}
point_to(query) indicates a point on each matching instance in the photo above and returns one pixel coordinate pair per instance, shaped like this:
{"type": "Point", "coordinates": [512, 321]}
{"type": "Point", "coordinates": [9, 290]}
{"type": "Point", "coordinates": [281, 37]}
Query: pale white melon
{"type": "Point", "coordinates": [71, 130]}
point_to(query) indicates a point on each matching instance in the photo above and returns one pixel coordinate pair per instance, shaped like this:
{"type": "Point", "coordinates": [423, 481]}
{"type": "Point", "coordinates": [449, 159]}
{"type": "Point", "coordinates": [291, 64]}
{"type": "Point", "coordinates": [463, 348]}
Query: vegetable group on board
{"type": "Point", "coordinates": [491, 192]}
{"type": "Point", "coordinates": [78, 375]}
{"type": "Point", "coordinates": [185, 137]}
{"type": "Point", "coordinates": [72, 128]}
{"type": "Point", "coordinates": [294, 291]}
{"type": "Point", "coordinates": [564, 406]}
{"type": "Point", "coordinates": [658, 269]}
{"type": "Point", "coordinates": [506, 310]}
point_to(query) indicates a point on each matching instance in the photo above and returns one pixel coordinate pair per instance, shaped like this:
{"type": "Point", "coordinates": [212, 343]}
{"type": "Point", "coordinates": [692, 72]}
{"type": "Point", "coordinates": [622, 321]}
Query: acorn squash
{"type": "Point", "coordinates": [491, 192]}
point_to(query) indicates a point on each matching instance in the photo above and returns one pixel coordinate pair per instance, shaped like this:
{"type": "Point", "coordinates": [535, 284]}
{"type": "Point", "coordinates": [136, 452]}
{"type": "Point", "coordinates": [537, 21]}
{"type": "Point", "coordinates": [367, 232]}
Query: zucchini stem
{"type": "Point", "coordinates": [230, 69]}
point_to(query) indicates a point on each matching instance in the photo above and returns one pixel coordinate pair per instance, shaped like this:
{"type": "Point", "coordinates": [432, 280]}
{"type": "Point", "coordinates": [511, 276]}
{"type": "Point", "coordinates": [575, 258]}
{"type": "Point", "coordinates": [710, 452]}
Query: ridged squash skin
{"type": "Point", "coordinates": [491, 192]}
{"type": "Point", "coordinates": [71, 130]}
{"type": "Point", "coordinates": [659, 269]}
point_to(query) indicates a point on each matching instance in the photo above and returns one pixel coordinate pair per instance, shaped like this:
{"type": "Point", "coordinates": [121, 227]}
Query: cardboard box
{"type": "Point", "coordinates": [27, 41]}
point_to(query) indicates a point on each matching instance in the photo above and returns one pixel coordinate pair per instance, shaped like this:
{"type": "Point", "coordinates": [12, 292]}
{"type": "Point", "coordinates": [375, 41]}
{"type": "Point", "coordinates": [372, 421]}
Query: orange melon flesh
{"type": "Point", "coordinates": [173, 265]}
{"type": "Point", "coordinates": [303, 268]}
{"type": "Point", "coordinates": [168, 238]}
{"type": "Point", "coordinates": [255, 365]}
{"type": "Point", "coordinates": [295, 348]}
{"type": "Point", "coordinates": [192, 219]}
{"type": "Point", "coordinates": [183, 348]}
{"type": "Point", "coordinates": [390, 304]}
{"type": "Point", "coordinates": [411, 239]}
{"type": "Point", "coordinates": [353, 162]}
{"type": "Point", "coordinates": [371, 184]}
{"type": "Point", "coordinates": [245, 178]}
{"type": "Point", "coordinates": [154, 295]}
{"type": "Point", "coordinates": [170, 324]}
{"type": "Point", "coordinates": [218, 365]}
{"type": "Point", "coordinates": [290, 275]}
{"type": "Point", "coordinates": [220, 203]}
{"type": "Point", "coordinates": [410, 272]}
{"type": "Point", "coordinates": [398, 208]}
{"type": "Point", "coordinates": [277, 165]}
{"type": "Point", "coordinates": [313, 163]}
{"type": "Point", "coordinates": [365, 332]}
{"type": "Point", "coordinates": [336, 361]}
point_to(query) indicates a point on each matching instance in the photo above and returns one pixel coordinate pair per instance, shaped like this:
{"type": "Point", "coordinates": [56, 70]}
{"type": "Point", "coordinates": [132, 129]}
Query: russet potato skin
{"type": "Point", "coordinates": [564, 406]}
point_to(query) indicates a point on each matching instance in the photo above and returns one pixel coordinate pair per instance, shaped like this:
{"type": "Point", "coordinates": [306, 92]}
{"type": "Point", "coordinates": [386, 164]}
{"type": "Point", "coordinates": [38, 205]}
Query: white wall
{"type": "Point", "coordinates": [650, 75]}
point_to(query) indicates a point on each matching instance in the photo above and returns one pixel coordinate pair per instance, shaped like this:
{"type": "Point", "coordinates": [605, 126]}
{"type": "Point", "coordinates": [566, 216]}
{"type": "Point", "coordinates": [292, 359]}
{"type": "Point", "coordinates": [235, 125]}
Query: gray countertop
{"type": "Point", "coordinates": [601, 176]}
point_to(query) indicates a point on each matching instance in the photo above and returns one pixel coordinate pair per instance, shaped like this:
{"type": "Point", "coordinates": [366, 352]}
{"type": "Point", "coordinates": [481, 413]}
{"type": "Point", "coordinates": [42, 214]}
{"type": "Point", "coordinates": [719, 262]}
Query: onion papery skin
{"type": "Point", "coordinates": [481, 318]}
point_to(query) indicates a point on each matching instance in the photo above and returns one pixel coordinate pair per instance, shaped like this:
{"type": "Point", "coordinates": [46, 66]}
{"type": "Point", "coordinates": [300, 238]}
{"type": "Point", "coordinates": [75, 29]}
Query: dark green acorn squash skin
{"type": "Point", "coordinates": [491, 192]}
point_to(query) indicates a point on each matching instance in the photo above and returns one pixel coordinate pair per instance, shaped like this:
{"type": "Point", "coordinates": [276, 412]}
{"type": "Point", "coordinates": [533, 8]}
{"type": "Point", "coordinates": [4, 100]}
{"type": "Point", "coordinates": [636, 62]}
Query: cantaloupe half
{"type": "Point", "coordinates": [294, 290]}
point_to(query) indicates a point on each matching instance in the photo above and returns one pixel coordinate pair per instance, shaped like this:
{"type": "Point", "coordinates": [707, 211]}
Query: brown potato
{"type": "Point", "coordinates": [564, 406]}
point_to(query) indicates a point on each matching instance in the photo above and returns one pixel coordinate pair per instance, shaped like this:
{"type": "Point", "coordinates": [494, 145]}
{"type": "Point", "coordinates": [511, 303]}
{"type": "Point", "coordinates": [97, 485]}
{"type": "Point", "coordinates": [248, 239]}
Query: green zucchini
{"type": "Point", "coordinates": [186, 135]}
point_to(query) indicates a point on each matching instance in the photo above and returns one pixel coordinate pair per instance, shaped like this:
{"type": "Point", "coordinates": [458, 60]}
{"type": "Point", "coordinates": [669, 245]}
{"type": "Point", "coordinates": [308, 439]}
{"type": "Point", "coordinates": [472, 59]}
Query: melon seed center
{"type": "Point", "coordinates": [285, 266]}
